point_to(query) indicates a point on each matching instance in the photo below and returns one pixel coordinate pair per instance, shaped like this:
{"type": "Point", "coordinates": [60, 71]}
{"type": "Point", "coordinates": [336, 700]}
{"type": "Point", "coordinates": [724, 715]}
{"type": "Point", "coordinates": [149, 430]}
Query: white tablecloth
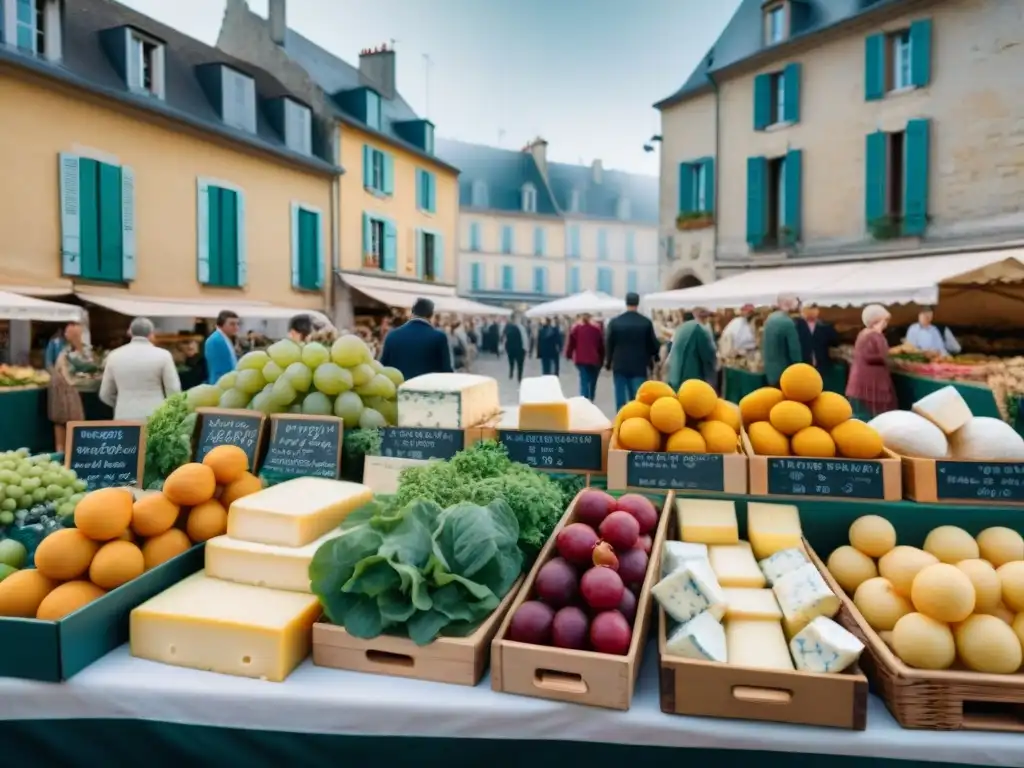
{"type": "Point", "coordinates": [316, 700]}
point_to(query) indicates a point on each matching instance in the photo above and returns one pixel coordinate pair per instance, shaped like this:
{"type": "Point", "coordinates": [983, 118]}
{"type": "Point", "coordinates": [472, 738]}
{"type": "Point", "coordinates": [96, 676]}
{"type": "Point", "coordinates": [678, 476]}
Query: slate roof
{"type": "Point", "coordinates": [743, 36]}
{"type": "Point", "coordinates": [86, 64]}
{"type": "Point", "coordinates": [602, 200]}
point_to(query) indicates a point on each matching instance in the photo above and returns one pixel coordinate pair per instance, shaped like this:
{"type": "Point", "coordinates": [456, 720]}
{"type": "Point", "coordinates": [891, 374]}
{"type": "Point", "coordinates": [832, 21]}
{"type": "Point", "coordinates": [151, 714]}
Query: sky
{"type": "Point", "coordinates": [582, 74]}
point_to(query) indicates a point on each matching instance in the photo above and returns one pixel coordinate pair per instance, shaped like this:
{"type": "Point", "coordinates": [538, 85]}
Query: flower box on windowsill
{"type": "Point", "coordinates": [688, 221]}
{"type": "Point", "coordinates": [886, 227]}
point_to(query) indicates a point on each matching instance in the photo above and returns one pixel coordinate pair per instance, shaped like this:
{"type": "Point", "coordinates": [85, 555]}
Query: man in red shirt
{"type": "Point", "coordinates": [586, 349]}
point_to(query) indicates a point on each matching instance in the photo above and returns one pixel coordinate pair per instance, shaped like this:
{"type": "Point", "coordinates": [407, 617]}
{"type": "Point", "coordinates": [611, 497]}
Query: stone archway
{"type": "Point", "coordinates": [683, 278]}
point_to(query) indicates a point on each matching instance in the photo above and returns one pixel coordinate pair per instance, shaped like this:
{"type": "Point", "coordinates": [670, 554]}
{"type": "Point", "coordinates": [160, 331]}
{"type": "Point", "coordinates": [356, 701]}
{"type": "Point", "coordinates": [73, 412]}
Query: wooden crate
{"type": "Point", "coordinates": [944, 700]}
{"type": "Point", "coordinates": [581, 677]}
{"type": "Point", "coordinates": [457, 660]}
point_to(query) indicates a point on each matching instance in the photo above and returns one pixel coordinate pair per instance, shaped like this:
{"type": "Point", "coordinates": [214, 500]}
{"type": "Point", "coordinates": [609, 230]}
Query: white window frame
{"type": "Point", "coordinates": [901, 58]}
{"type": "Point", "coordinates": [135, 51]}
{"type": "Point", "coordinates": [377, 170]}
{"type": "Point", "coordinates": [51, 27]}
{"type": "Point", "coordinates": [376, 112]}
{"type": "Point", "coordinates": [778, 82]}
{"type": "Point", "coordinates": [529, 198]}
{"type": "Point", "coordinates": [238, 100]}
{"type": "Point", "coordinates": [378, 232]}
{"type": "Point", "coordinates": [428, 138]}
{"type": "Point", "coordinates": [699, 176]}
{"type": "Point", "coordinates": [298, 127]}
{"type": "Point", "coordinates": [478, 195]}
{"type": "Point", "coordinates": [775, 24]}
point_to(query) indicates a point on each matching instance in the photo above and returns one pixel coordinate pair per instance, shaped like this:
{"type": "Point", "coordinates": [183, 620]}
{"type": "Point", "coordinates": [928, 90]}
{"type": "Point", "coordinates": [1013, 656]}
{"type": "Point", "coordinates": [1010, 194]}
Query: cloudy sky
{"type": "Point", "coordinates": [580, 73]}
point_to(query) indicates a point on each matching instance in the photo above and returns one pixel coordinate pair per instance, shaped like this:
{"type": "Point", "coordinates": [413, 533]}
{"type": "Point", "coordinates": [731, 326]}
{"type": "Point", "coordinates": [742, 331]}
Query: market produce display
{"type": "Point", "coordinates": [799, 419]}
{"type": "Point", "coordinates": [692, 420]}
{"type": "Point", "coordinates": [738, 602]}
{"type": "Point", "coordinates": [586, 597]}
{"type": "Point", "coordinates": [22, 376]}
{"type": "Point", "coordinates": [955, 602]}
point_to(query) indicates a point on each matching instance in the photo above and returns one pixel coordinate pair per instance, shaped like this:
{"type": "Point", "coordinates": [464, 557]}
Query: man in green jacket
{"type": "Point", "coordinates": [693, 352]}
{"type": "Point", "coordinates": [780, 345]}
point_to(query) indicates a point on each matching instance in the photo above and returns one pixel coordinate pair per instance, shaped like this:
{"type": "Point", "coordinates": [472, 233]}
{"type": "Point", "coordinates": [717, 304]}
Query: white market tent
{"type": "Point", "coordinates": [140, 306]}
{"type": "Point", "coordinates": [590, 302]}
{"type": "Point", "coordinates": [402, 294]}
{"type": "Point", "coordinates": [14, 306]}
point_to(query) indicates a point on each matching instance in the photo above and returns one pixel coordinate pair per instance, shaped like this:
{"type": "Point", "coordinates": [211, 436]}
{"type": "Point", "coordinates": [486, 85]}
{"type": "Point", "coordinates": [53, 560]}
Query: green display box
{"type": "Point", "coordinates": [54, 651]}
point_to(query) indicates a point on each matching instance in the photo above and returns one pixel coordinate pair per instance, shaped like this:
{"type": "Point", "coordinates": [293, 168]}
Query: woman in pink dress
{"type": "Point", "coordinates": [870, 388]}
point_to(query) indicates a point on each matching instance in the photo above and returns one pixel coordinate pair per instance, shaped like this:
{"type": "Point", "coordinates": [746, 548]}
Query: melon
{"type": "Point", "coordinates": [873, 535]}
{"type": "Point", "coordinates": [908, 434]}
{"type": "Point", "coordinates": [923, 642]}
{"type": "Point", "coordinates": [943, 592]}
{"type": "Point", "coordinates": [986, 644]}
{"type": "Point", "coordinates": [190, 484]}
{"type": "Point", "coordinates": [984, 438]}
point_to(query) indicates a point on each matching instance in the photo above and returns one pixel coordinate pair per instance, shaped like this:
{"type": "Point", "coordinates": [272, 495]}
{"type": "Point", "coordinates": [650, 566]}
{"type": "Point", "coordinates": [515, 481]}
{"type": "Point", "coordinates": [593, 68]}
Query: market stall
{"type": "Point", "coordinates": [589, 302]}
{"type": "Point", "coordinates": [402, 294]}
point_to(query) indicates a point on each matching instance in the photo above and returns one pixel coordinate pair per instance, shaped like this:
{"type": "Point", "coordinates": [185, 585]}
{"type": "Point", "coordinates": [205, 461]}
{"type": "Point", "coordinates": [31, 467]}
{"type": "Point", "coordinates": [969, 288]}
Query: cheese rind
{"type": "Point", "coordinates": [701, 638]}
{"type": "Point", "coordinates": [542, 405]}
{"type": "Point", "coordinates": [675, 555]}
{"type": "Point", "coordinates": [296, 512]}
{"type": "Point", "coordinates": [263, 565]}
{"type": "Point", "coordinates": [707, 521]}
{"type": "Point", "coordinates": [825, 646]}
{"type": "Point", "coordinates": [219, 626]}
{"type": "Point", "coordinates": [945, 408]}
{"type": "Point", "coordinates": [689, 591]}
{"type": "Point", "coordinates": [734, 565]}
{"type": "Point", "coordinates": [803, 596]}
{"type": "Point", "coordinates": [772, 528]}
{"type": "Point", "coordinates": [743, 603]}
{"type": "Point", "coordinates": [758, 644]}
{"type": "Point", "coordinates": [782, 562]}
{"type": "Point", "coordinates": [447, 400]}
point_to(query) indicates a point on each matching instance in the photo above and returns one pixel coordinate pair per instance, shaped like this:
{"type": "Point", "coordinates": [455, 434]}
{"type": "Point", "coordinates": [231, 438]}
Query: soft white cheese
{"type": "Point", "coordinates": [803, 596]}
{"type": "Point", "coordinates": [945, 408]}
{"type": "Point", "coordinates": [447, 400]}
{"type": "Point", "coordinates": [676, 554]}
{"type": "Point", "coordinates": [781, 563]}
{"type": "Point", "coordinates": [689, 591]}
{"type": "Point", "coordinates": [824, 646]}
{"type": "Point", "coordinates": [701, 638]}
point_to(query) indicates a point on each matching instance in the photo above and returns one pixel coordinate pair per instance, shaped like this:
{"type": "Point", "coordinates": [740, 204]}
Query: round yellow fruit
{"type": "Point", "coordinates": [104, 514]}
{"type": "Point", "coordinates": [856, 440]}
{"type": "Point", "coordinates": [1011, 576]}
{"type": "Point", "coordinates": [166, 546]}
{"type": "Point", "coordinates": [813, 442]}
{"type": "Point", "coordinates": [766, 440]}
{"type": "Point", "coordinates": [634, 409]}
{"type": "Point", "coordinates": [801, 382]}
{"type": "Point", "coordinates": [190, 484]}
{"type": "Point", "coordinates": [117, 563]}
{"type": "Point", "coordinates": [718, 436]}
{"type": "Point", "coordinates": [153, 514]}
{"type": "Point", "coordinates": [726, 412]}
{"type": "Point", "coordinates": [1002, 613]}
{"type": "Point", "coordinates": [879, 604]}
{"type": "Point", "coordinates": [1017, 625]}
{"type": "Point", "coordinates": [667, 415]}
{"type": "Point", "coordinates": [789, 417]}
{"type": "Point", "coordinates": [851, 568]}
{"type": "Point", "coordinates": [830, 409]}
{"type": "Point", "coordinates": [65, 554]}
{"type": "Point", "coordinates": [639, 435]}
{"type": "Point", "coordinates": [922, 642]}
{"type": "Point", "coordinates": [757, 406]}
{"type": "Point", "coordinates": [228, 462]}
{"type": "Point", "coordinates": [985, 644]}
{"type": "Point", "coordinates": [901, 564]}
{"type": "Point", "coordinates": [943, 592]}
{"type": "Point", "coordinates": [987, 587]}
{"type": "Point", "coordinates": [1001, 545]}
{"type": "Point", "coordinates": [23, 591]}
{"type": "Point", "coordinates": [246, 485]}
{"type": "Point", "coordinates": [686, 440]}
{"type": "Point", "coordinates": [698, 398]}
{"type": "Point", "coordinates": [873, 535]}
{"type": "Point", "coordinates": [951, 544]}
{"type": "Point", "coordinates": [207, 520]}
{"type": "Point", "coordinates": [68, 598]}
{"type": "Point", "coordinates": [651, 390]}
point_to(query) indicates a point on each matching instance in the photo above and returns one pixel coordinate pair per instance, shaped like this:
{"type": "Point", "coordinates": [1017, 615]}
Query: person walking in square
{"type": "Point", "coordinates": [632, 351]}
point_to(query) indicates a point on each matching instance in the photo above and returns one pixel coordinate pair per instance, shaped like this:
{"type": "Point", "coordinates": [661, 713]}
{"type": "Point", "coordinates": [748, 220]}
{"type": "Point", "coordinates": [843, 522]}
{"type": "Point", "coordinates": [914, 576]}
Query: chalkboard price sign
{"type": "Point", "coordinates": [106, 454]}
{"type": "Point", "coordinates": [421, 442]}
{"type": "Point", "coordinates": [304, 446]}
{"type": "Point", "coordinates": [555, 451]}
{"type": "Point", "coordinates": [676, 471]}
{"type": "Point", "coordinates": [997, 481]}
{"type": "Point", "coordinates": [222, 426]}
{"type": "Point", "coordinates": [842, 478]}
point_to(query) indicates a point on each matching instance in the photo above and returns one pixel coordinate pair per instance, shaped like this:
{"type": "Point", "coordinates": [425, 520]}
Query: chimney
{"type": "Point", "coordinates": [377, 66]}
{"type": "Point", "coordinates": [539, 149]}
{"type": "Point", "coordinates": [277, 16]}
{"type": "Point", "coordinates": [597, 170]}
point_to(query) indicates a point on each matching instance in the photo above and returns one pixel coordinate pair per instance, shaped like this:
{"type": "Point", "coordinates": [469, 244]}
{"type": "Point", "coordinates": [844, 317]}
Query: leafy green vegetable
{"type": "Point", "coordinates": [417, 569]}
{"type": "Point", "coordinates": [168, 439]}
{"type": "Point", "coordinates": [484, 473]}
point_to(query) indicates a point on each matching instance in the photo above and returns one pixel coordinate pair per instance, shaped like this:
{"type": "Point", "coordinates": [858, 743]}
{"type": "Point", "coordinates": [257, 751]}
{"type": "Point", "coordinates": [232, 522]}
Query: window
{"type": "Point", "coordinates": [899, 71]}
{"type": "Point", "coordinates": [298, 127]}
{"type": "Point", "coordinates": [508, 280]}
{"type": "Point", "coordinates": [507, 240]}
{"type": "Point", "coordinates": [623, 208]}
{"type": "Point", "coordinates": [774, 200]}
{"type": "Point", "coordinates": [307, 248]}
{"type": "Point", "coordinates": [238, 100]}
{"type": "Point", "coordinates": [896, 61]}
{"type": "Point", "coordinates": [775, 24]}
{"type": "Point", "coordinates": [777, 97]}
{"type": "Point", "coordinates": [573, 246]}
{"type": "Point", "coordinates": [428, 138]}
{"type": "Point", "coordinates": [476, 277]}
{"type": "Point", "coordinates": [630, 247]}
{"type": "Point", "coordinates": [373, 109]}
{"type": "Point", "coordinates": [896, 187]}
{"type": "Point", "coordinates": [602, 244]}
{"type": "Point", "coordinates": [221, 235]}
{"type": "Point", "coordinates": [97, 219]}
{"type": "Point", "coordinates": [574, 201]}
{"type": "Point", "coordinates": [574, 280]}
{"type": "Point", "coordinates": [631, 281]}
{"type": "Point", "coordinates": [25, 25]}
{"type": "Point", "coordinates": [606, 281]}
{"type": "Point", "coordinates": [529, 194]}
{"type": "Point", "coordinates": [539, 238]}
{"type": "Point", "coordinates": [145, 65]}
{"type": "Point", "coordinates": [540, 280]}
{"type": "Point", "coordinates": [478, 194]}
{"type": "Point", "coordinates": [379, 173]}
{"type": "Point", "coordinates": [700, 187]}
{"type": "Point", "coordinates": [429, 255]}
{"type": "Point", "coordinates": [375, 231]}
{"type": "Point", "coordinates": [697, 187]}
{"type": "Point", "coordinates": [474, 236]}
{"type": "Point", "coordinates": [426, 191]}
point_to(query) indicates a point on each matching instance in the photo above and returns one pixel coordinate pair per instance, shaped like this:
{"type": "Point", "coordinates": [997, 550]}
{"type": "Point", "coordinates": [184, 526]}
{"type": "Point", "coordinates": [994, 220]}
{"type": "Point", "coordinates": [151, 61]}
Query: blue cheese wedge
{"type": "Point", "coordinates": [803, 596]}
{"type": "Point", "coordinates": [824, 646]}
{"type": "Point", "coordinates": [701, 638]}
{"type": "Point", "coordinates": [689, 591]}
{"type": "Point", "coordinates": [781, 563]}
{"type": "Point", "coordinates": [676, 554]}
{"type": "Point", "coordinates": [447, 401]}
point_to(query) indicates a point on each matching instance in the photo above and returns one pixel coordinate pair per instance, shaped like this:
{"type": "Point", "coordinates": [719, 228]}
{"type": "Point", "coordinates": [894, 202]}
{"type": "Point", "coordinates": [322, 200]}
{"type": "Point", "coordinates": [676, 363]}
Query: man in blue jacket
{"type": "Point", "coordinates": [219, 349]}
{"type": "Point", "coordinates": [417, 347]}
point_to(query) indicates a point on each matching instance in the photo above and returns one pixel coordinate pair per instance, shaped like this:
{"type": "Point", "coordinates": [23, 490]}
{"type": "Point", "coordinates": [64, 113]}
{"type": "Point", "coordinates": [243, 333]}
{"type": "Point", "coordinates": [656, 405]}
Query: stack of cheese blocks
{"type": "Point", "coordinates": [250, 612]}
{"type": "Point", "coordinates": [737, 602]}
{"type": "Point", "coordinates": [543, 407]}
{"type": "Point", "coordinates": [447, 401]}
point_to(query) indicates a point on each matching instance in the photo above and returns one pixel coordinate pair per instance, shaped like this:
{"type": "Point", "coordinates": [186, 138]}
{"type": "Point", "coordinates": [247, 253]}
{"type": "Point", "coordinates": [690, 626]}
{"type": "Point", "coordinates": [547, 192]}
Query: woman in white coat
{"type": "Point", "coordinates": [138, 376]}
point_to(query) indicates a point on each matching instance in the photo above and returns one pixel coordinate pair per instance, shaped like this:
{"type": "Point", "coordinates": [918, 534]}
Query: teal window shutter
{"type": "Point", "coordinates": [921, 52]}
{"type": "Point", "coordinates": [602, 244]}
{"type": "Point", "coordinates": [367, 166]}
{"type": "Point", "coordinates": [420, 270]}
{"type": "Point", "coordinates": [876, 156]}
{"type": "Point", "coordinates": [631, 281]}
{"type": "Point", "coordinates": [757, 179]}
{"type": "Point", "coordinates": [367, 237]}
{"type": "Point", "coordinates": [508, 279]}
{"type": "Point", "coordinates": [791, 95]}
{"type": "Point", "coordinates": [686, 201]}
{"type": "Point", "coordinates": [631, 247]}
{"type": "Point", "coordinates": [709, 184]}
{"type": "Point", "coordinates": [320, 251]}
{"type": "Point", "coordinates": [538, 241]}
{"type": "Point", "coordinates": [389, 260]}
{"type": "Point", "coordinates": [474, 236]}
{"type": "Point", "coordinates": [242, 258]}
{"type": "Point", "coordinates": [229, 242]}
{"type": "Point", "coordinates": [574, 279]}
{"type": "Point", "coordinates": [111, 241]}
{"type": "Point", "coordinates": [762, 102]}
{"type": "Point", "coordinates": [432, 188]}
{"type": "Point", "coordinates": [202, 231]}
{"type": "Point", "coordinates": [128, 243]}
{"type": "Point", "coordinates": [506, 239]}
{"type": "Point", "coordinates": [792, 169]}
{"type": "Point", "coordinates": [296, 247]}
{"type": "Point", "coordinates": [474, 277]}
{"type": "Point", "coordinates": [420, 194]}
{"type": "Point", "coordinates": [70, 217]}
{"type": "Point", "coordinates": [539, 280]}
{"type": "Point", "coordinates": [389, 174]}
{"type": "Point", "coordinates": [916, 152]}
{"type": "Point", "coordinates": [874, 67]}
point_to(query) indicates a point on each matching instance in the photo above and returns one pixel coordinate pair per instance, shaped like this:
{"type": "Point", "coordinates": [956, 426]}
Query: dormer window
{"type": "Point", "coordinates": [529, 198]}
{"type": "Point", "coordinates": [238, 100]}
{"type": "Point", "coordinates": [373, 109]}
{"type": "Point", "coordinates": [144, 64]}
{"type": "Point", "coordinates": [574, 201]}
{"type": "Point", "coordinates": [298, 127]}
{"type": "Point", "coordinates": [428, 138]}
{"type": "Point", "coordinates": [776, 22]}
{"type": "Point", "coordinates": [478, 197]}
{"type": "Point", "coordinates": [32, 26]}
{"type": "Point", "coordinates": [622, 210]}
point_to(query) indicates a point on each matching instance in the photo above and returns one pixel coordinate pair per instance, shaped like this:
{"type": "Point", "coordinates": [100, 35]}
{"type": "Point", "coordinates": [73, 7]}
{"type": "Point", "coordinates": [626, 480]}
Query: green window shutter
{"type": "Point", "coordinates": [686, 201]}
{"type": "Point", "coordinates": [216, 241]}
{"type": "Point", "coordinates": [128, 261]}
{"type": "Point", "coordinates": [419, 254]}
{"type": "Point", "coordinates": [229, 238]}
{"type": "Point", "coordinates": [367, 236]}
{"type": "Point", "coordinates": [242, 258]}
{"type": "Point", "coordinates": [296, 247]}
{"type": "Point", "coordinates": [915, 203]}
{"type": "Point", "coordinates": [876, 177]}
{"type": "Point", "coordinates": [310, 264]}
{"type": "Point", "coordinates": [793, 183]}
{"type": "Point", "coordinates": [389, 260]}
{"type": "Point", "coordinates": [320, 249]}
{"type": "Point", "coordinates": [432, 193]}
{"type": "Point", "coordinates": [921, 52]}
{"type": "Point", "coordinates": [389, 174]}
{"type": "Point", "coordinates": [111, 225]}
{"type": "Point", "coordinates": [757, 178]}
{"type": "Point", "coordinates": [762, 101]}
{"type": "Point", "coordinates": [89, 217]}
{"type": "Point", "coordinates": [420, 194]}
{"type": "Point", "coordinates": [874, 67]}
{"type": "Point", "coordinates": [367, 166]}
{"type": "Point", "coordinates": [70, 217]}
{"type": "Point", "coordinates": [709, 184]}
{"type": "Point", "coordinates": [791, 86]}
{"type": "Point", "coordinates": [202, 231]}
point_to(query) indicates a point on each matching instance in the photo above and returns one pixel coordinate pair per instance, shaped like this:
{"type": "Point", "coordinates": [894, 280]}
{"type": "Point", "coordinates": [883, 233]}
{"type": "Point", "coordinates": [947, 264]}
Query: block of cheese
{"type": "Point", "coordinates": [296, 512]}
{"type": "Point", "coordinates": [803, 596]}
{"type": "Point", "coordinates": [824, 646]}
{"type": "Point", "coordinates": [781, 563]}
{"type": "Point", "coordinates": [689, 591]}
{"type": "Point", "coordinates": [772, 528]}
{"type": "Point", "coordinates": [263, 565]}
{"type": "Point", "coordinates": [945, 408]}
{"type": "Point", "coordinates": [701, 638]}
{"type": "Point", "coordinates": [744, 603]}
{"type": "Point", "coordinates": [757, 643]}
{"type": "Point", "coordinates": [220, 626]}
{"type": "Point", "coordinates": [447, 400]}
{"type": "Point", "coordinates": [542, 406]}
{"type": "Point", "coordinates": [584, 416]}
{"type": "Point", "coordinates": [707, 521]}
{"type": "Point", "coordinates": [735, 566]}
{"type": "Point", "coordinates": [675, 554]}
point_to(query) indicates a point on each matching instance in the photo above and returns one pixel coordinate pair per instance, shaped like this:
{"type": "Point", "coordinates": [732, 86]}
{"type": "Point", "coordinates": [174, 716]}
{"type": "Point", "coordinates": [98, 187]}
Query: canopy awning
{"type": "Point", "coordinates": [591, 302]}
{"type": "Point", "coordinates": [402, 294]}
{"type": "Point", "coordinates": [14, 306]}
{"type": "Point", "coordinates": [140, 306]}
